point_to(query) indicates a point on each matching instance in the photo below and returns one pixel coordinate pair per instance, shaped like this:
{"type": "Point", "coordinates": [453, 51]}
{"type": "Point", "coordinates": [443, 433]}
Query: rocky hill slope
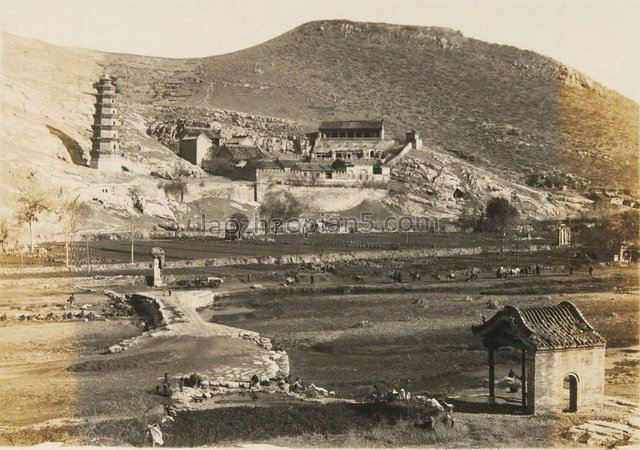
{"type": "Point", "coordinates": [514, 110]}
{"type": "Point", "coordinates": [493, 118]}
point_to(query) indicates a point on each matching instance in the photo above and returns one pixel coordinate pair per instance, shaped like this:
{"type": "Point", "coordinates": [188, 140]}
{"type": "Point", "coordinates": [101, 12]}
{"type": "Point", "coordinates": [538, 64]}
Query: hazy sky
{"type": "Point", "coordinates": [600, 38]}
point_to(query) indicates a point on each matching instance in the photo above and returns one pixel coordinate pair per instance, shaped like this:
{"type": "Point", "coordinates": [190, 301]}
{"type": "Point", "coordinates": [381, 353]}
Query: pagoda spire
{"type": "Point", "coordinates": [105, 146]}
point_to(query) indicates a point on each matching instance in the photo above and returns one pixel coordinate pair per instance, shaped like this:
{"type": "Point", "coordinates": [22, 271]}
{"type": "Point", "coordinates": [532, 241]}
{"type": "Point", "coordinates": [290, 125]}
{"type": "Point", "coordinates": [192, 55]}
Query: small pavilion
{"type": "Point", "coordinates": [562, 356]}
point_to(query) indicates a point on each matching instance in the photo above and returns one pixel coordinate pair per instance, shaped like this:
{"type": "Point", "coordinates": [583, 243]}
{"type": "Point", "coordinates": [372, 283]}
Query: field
{"type": "Point", "coordinates": [349, 343]}
{"type": "Point", "coordinates": [182, 249]}
{"type": "Point", "coordinates": [346, 337]}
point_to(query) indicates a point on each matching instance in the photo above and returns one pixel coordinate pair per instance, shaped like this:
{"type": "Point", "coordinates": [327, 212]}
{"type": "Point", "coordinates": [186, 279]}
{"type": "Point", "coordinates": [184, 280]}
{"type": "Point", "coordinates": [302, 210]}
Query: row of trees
{"type": "Point", "coordinates": [600, 236]}
{"type": "Point", "coordinates": [33, 205]}
{"type": "Point", "coordinates": [277, 207]}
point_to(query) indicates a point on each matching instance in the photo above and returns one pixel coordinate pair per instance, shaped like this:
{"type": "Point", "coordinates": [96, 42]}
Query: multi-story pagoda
{"type": "Point", "coordinates": [105, 149]}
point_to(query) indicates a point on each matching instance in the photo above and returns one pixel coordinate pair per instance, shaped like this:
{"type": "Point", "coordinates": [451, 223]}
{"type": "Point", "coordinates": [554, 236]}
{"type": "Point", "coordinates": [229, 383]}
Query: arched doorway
{"type": "Point", "coordinates": [570, 383]}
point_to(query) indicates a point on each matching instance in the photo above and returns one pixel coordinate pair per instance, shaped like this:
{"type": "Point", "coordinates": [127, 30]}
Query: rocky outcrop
{"type": "Point", "coordinates": [271, 134]}
{"type": "Point", "coordinates": [435, 178]}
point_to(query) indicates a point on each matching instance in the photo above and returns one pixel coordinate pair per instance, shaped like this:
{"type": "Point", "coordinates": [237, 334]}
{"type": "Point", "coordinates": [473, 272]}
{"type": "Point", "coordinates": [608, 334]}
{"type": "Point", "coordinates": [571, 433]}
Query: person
{"type": "Point", "coordinates": [512, 374]}
{"type": "Point", "coordinates": [570, 270]}
{"type": "Point", "coordinates": [429, 423]}
{"type": "Point", "coordinates": [72, 300]}
{"type": "Point", "coordinates": [313, 279]}
{"type": "Point", "coordinates": [297, 385]}
{"type": "Point", "coordinates": [296, 279]}
{"type": "Point", "coordinates": [591, 271]}
{"type": "Point", "coordinates": [537, 269]}
{"type": "Point", "coordinates": [169, 292]}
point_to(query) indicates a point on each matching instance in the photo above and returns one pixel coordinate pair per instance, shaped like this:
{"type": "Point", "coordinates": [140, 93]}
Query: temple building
{"type": "Point", "coordinates": [106, 154]}
{"type": "Point", "coordinates": [197, 143]}
{"type": "Point", "coordinates": [350, 140]}
{"type": "Point", "coordinates": [352, 129]}
{"type": "Point", "coordinates": [562, 356]}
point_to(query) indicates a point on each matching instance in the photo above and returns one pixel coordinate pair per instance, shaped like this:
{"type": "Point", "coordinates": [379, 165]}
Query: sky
{"type": "Point", "coordinates": [598, 37]}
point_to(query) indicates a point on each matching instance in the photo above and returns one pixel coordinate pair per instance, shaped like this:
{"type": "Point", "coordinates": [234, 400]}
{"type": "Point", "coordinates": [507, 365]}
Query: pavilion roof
{"type": "Point", "coordinates": [540, 328]}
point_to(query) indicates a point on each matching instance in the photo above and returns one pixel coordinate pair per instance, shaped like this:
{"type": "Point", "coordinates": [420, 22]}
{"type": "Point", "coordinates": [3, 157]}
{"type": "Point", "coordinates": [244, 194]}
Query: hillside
{"type": "Point", "coordinates": [492, 118]}
{"type": "Point", "coordinates": [510, 109]}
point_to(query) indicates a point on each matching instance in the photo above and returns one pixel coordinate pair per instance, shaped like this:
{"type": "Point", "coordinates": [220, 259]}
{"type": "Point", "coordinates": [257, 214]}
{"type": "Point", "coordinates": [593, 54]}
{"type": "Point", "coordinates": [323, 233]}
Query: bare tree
{"type": "Point", "coordinates": [4, 233]}
{"type": "Point", "coordinates": [178, 186]}
{"type": "Point", "coordinates": [68, 213]}
{"type": "Point", "coordinates": [32, 206]}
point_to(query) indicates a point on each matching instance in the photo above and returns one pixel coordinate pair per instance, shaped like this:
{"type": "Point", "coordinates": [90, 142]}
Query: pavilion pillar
{"type": "Point", "coordinates": [524, 380]}
{"type": "Point", "coordinates": [492, 383]}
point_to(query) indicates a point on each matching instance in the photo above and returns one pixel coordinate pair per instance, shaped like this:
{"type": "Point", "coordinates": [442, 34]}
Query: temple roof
{"type": "Point", "coordinates": [351, 125]}
{"type": "Point", "coordinates": [243, 140]}
{"type": "Point", "coordinates": [264, 164]}
{"type": "Point", "coordinates": [312, 167]}
{"type": "Point", "coordinates": [287, 163]}
{"type": "Point", "coordinates": [539, 328]}
{"type": "Point", "coordinates": [194, 133]}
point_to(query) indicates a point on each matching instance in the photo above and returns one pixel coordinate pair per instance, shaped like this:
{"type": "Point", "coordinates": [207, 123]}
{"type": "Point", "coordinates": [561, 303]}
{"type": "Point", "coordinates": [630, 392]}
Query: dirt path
{"type": "Point", "coordinates": [180, 312]}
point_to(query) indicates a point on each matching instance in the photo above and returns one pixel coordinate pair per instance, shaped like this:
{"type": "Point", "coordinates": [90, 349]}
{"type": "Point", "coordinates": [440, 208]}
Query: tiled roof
{"type": "Point", "coordinates": [352, 125]}
{"type": "Point", "coordinates": [287, 163]}
{"type": "Point", "coordinates": [264, 164]}
{"type": "Point", "coordinates": [312, 167]}
{"type": "Point", "coordinates": [239, 140]}
{"type": "Point", "coordinates": [194, 133]}
{"type": "Point", "coordinates": [541, 328]}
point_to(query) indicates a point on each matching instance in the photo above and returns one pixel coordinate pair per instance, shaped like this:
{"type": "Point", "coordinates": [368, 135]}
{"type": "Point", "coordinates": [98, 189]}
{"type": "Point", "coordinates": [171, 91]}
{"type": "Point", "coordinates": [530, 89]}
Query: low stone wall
{"type": "Point", "coordinates": [300, 259]}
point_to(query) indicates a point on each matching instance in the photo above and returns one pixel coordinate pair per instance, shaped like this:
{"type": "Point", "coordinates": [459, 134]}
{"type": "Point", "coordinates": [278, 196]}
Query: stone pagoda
{"type": "Point", "coordinates": [105, 149]}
